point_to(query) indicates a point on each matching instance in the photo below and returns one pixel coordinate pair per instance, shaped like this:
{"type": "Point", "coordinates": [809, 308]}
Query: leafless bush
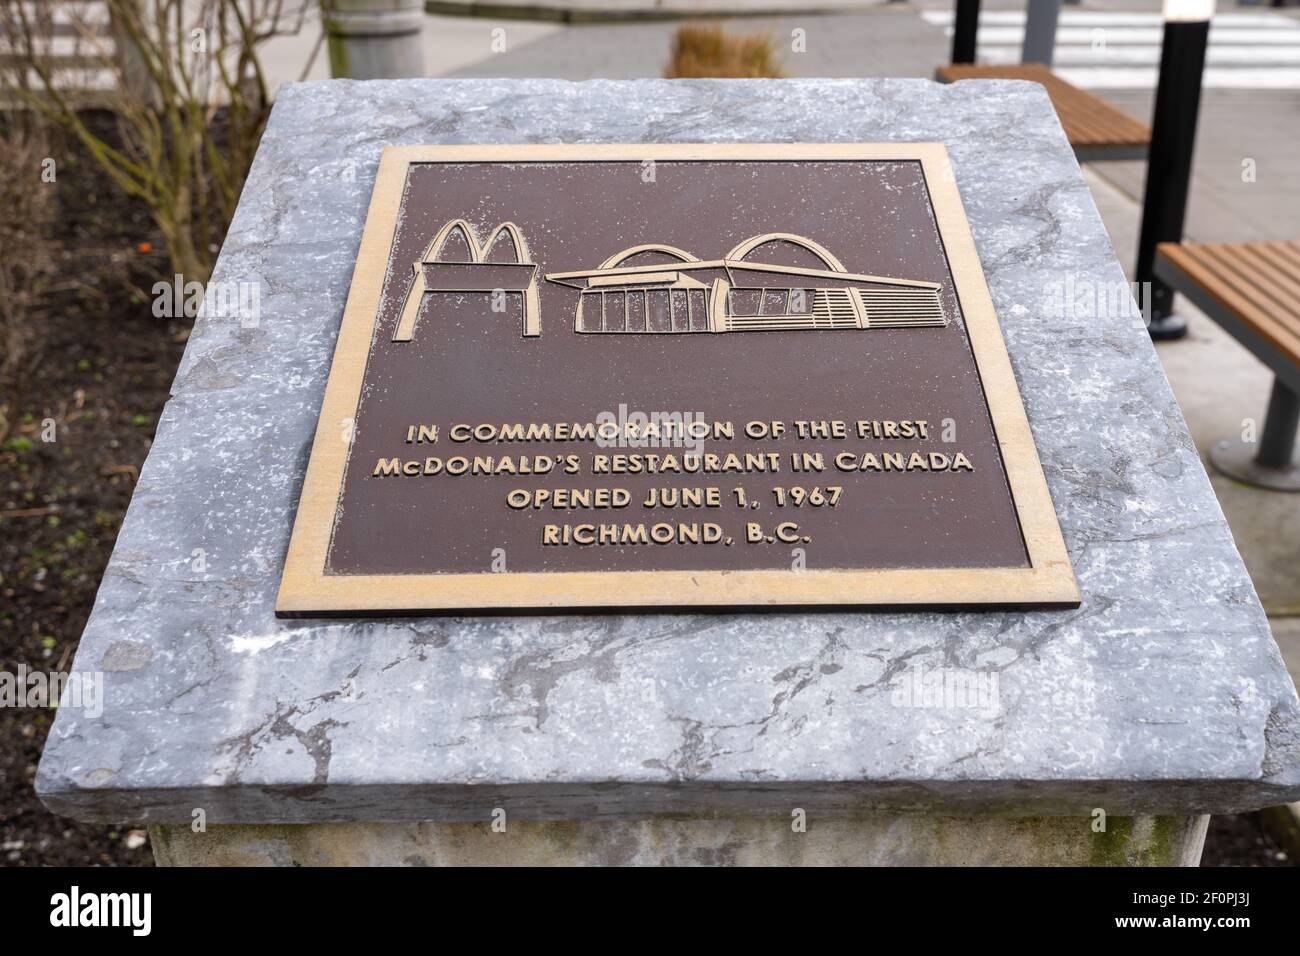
{"type": "Point", "coordinates": [27, 210]}
{"type": "Point", "coordinates": [186, 83]}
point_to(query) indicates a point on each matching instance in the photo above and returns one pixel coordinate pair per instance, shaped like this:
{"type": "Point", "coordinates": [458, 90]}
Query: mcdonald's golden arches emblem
{"type": "Point", "coordinates": [432, 274]}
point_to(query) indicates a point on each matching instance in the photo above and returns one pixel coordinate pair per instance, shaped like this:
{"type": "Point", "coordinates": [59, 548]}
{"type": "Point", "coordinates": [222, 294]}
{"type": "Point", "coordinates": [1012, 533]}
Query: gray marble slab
{"type": "Point", "coordinates": [1163, 693]}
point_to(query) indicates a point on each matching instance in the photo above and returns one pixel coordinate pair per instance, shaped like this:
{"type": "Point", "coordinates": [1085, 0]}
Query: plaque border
{"type": "Point", "coordinates": [306, 590]}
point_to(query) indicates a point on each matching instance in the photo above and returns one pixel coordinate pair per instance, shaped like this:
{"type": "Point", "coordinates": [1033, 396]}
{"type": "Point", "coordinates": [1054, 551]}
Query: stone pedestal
{"type": "Point", "coordinates": [676, 737]}
{"type": "Point", "coordinates": [880, 840]}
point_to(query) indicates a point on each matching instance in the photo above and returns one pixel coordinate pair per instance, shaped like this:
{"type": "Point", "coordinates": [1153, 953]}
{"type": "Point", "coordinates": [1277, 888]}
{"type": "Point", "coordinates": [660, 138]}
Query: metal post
{"type": "Point", "coordinates": [137, 82]}
{"type": "Point", "coordinates": [1040, 31]}
{"type": "Point", "coordinates": [1270, 464]}
{"type": "Point", "coordinates": [1277, 444]}
{"type": "Point", "coordinates": [374, 39]}
{"type": "Point", "coordinates": [1169, 161]}
{"type": "Point", "coordinates": [963, 31]}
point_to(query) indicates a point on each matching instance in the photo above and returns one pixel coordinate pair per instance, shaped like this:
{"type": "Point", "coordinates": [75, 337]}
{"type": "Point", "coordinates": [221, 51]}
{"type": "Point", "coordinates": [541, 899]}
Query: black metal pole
{"type": "Point", "coordinates": [1169, 162]}
{"type": "Point", "coordinates": [963, 31]}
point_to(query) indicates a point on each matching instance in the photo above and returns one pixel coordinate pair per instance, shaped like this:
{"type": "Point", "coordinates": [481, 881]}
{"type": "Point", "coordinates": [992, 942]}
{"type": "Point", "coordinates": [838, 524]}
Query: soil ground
{"type": "Point", "coordinates": [103, 373]}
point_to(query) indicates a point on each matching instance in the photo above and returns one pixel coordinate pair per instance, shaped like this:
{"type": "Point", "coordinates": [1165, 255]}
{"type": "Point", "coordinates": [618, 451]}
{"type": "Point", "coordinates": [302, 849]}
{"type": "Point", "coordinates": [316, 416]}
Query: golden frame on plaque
{"type": "Point", "coordinates": [309, 588]}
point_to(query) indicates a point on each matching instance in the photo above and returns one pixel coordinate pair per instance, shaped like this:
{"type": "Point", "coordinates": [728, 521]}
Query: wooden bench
{"type": "Point", "coordinates": [1252, 289]}
{"type": "Point", "coordinates": [1096, 130]}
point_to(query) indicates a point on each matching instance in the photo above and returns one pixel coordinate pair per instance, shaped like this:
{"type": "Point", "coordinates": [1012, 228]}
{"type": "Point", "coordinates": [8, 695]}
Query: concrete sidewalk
{"type": "Point", "coordinates": [1098, 48]}
{"type": "Point", "coordinates": [603, 11]}
{"type": "Point", "coordinates": [890, 41]}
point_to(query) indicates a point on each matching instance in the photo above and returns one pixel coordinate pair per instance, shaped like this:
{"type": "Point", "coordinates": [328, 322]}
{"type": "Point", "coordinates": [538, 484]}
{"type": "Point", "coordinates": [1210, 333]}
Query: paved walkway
{"type": "Point", "coordinates": [1120, 49]}
{"type": "Point", "coordinates": [887, 41]}
{"type": "Point", "coordinates": [609, 10]}
{"type": "Point", "coordinates": [1098, 47]}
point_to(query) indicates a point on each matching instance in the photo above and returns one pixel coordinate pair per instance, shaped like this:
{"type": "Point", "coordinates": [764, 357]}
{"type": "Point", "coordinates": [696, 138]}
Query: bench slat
{"type": "Point", "coordinates": [1291, 250]}
{"type": "Point", "coordinates": [1217, 268]}
{"type": "Point", "coordinates": [1273, 254]}
{"type": "Point", "coordinates": [1258, 282]}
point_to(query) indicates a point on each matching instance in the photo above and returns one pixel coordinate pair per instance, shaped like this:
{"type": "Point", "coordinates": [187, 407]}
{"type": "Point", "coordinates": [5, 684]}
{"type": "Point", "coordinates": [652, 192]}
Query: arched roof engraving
{"type": "Point", "coordinates": [631, 251]}
{"type": "Point", "coordinates": [816, 248]}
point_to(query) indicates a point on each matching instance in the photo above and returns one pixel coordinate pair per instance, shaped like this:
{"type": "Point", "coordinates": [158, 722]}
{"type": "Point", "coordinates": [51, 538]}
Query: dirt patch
{"type": "Point", "coordinates": [1242, 840]}
{"type": "Point", "coordinates": [104, 372]}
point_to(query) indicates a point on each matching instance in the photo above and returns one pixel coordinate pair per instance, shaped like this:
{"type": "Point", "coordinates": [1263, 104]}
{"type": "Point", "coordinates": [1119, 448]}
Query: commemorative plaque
{"type": "Point", "coordinates": [670, 376]}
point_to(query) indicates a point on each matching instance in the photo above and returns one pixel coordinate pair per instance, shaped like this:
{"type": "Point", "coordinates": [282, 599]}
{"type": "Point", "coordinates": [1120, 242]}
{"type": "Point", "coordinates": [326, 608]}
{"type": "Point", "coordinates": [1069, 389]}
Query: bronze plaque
{"type": "Point", "coordinates": [678, 376]}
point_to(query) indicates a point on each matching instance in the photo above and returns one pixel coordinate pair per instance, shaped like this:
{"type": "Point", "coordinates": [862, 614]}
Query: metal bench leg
{"type": "Point", "coordinates": [1040, 31]}
{"type": "Point", "coordinates": [1270, 464]}
{"type": "Point", "coordinates": [965, 27]}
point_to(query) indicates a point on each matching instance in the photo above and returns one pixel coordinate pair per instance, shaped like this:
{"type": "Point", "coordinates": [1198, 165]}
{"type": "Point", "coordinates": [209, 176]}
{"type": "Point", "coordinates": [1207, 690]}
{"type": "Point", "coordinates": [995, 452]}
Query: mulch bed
{"type": "Point", "coordinates": [105, 375]}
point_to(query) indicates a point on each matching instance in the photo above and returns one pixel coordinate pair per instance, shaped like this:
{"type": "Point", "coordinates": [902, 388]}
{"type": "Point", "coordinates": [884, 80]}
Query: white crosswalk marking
{"type": "Point", "coordinates": [1118, 50]}
{"type": "Point", "coordinates": [1145, 55]}
{"type": "Point", "coordinates": [944, 18]}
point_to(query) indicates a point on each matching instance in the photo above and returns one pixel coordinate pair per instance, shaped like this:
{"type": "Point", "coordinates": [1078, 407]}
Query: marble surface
{"type": "Point", "coordinates": [1163, 693]}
